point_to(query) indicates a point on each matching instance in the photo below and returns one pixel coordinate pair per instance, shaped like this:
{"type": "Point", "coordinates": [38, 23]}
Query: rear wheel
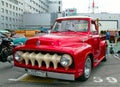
{"type": "Point", "coordinates": [87, 69]}
{"type": "Point", "coordinates": [106, 53]}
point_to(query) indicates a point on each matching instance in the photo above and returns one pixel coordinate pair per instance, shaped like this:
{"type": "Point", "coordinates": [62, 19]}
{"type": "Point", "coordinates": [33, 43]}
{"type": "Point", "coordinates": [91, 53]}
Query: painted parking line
{"type": "Point", "coordinates": [19, 78]}
{"type": "Point", "coordinates": [109, 79]}
{"type": "Point", "coordinates": [31, 78]}
{"type": "Point", "coordinates": [117, 57]}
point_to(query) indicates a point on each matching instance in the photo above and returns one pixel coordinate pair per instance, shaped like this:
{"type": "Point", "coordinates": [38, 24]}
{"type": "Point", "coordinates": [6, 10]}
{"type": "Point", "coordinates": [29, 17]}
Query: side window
{"type": "Point", "coordinates": [57, 27]}
{"type": "Point", "coordinates": [93, 28]}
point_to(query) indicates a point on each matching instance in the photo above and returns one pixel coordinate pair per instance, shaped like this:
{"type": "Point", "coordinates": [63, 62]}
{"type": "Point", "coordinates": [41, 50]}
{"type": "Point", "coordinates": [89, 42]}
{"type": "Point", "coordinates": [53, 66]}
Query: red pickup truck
{"type": "Point", "coordinates": [70, 50]}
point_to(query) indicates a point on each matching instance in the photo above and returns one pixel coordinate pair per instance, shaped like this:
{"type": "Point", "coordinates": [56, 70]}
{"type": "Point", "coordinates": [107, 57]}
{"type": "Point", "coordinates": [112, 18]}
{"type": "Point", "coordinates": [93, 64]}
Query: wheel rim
{"type": "Point", "coordinates": [87, 70]}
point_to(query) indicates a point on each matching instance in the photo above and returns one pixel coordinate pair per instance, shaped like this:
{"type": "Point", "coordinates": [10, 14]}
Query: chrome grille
{"type": "Point", "coordinates": [47, 58]}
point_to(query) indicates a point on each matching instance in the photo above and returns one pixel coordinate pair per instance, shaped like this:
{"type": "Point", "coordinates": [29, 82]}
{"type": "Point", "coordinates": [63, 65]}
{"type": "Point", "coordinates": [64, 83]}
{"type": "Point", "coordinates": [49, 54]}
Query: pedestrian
{"type": "Point", "coordinates": [107, 35]}
{"type": "Point", "coordinates": [116, 36]}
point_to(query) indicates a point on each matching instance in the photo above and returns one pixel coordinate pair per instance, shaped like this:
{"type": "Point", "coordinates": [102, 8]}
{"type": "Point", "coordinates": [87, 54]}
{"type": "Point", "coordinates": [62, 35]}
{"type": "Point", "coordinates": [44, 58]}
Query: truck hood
{"type": "Point", "coordinates": [57, 39]}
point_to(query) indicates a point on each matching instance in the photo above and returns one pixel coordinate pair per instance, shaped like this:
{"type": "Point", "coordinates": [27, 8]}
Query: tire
{"type": "Point", "coordinates": [87, 69]}
{"type": "Point", "coordinates": [105, 58]}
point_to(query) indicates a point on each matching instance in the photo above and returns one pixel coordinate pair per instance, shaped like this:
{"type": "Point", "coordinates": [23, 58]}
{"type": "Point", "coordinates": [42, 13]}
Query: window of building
{"type": "Point", "coordinates": [6, 4]}
{"type": "Point", "coordinates": [13, 20]}
{"type": "Point", "coordinates": [10, 12]}
{"type": "Point", "coordinates": [59, 2]}
{"type": "Point", "coordinates": [2, 10]}
{"type": "Point", "coordinates": [33, 2]}
{"type": "Point", "coordinates": [10, 26]}
{"type": "Point", "coordinates": [16, 8]}
{"type": "Point", "coordinates": [6, 18]}
{"type": "Point", "coordinates": [33, 9]}
{"type": "Point", "coordinates": [10, 5]}
{"type": "Point", "coordinates": [13, 13]}
{"type": "Point", "coordinates": [14, 1]}
{"type": "Point", "coordinates": [21, 3]}
{"type": "Point", "coordinates": [13, 7]}
{"type": "Point", "coordinates": [22, 10]}
{"type": "Point", "coordinates": [19, 9]}
{"type": "Point", "coordinates": [21, 15]}
{"type": "Point", "coordinates": [10, 19]}
{"type": "Point", "coordinates": [2, 24]}
{"type": "Point", "coordinates": [7, 26]}
{"type": "Point", "coordinates": [59, 9]}
{"type": "Point", "coordinates": [37, 4]}
{"type": "Point", "coordinates": [6, 11]}
{"type": "Point", "coordinates": [13, 26]}
{"type": "Point", "coordinates": [2, 17]}
{"type": "Point", "coordinates": [16, 14]}
{"type": "Point", "coordinates": [2, 3]}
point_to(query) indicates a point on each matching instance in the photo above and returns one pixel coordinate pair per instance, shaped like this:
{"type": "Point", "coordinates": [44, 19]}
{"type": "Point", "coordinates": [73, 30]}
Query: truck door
{"type": "Point", "coordinates": [96, 41]}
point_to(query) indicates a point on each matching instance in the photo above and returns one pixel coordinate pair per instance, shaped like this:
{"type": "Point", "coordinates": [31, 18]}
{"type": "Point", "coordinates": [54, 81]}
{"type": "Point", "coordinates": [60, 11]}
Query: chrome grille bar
{"type": "Point", "coordinates": [39, 57]}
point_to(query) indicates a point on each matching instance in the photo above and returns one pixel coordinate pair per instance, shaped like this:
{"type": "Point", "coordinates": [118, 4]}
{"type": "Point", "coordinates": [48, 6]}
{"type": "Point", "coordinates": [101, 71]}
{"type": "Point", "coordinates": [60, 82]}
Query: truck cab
{"type": "Point", "coordinates": [69, 51]}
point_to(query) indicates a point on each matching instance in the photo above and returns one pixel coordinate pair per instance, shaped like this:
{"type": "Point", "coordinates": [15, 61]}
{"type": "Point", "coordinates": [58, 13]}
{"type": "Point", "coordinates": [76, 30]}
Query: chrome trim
{"type": "Point", "coordinates": [61, 76]}
{"type": "Point", "coordinates": [39, 57]}
{"type": "Point", "coordinates": [55, 75]}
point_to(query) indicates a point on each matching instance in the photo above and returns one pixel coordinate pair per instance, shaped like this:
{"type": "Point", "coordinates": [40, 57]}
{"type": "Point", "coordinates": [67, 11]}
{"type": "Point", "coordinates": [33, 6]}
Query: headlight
{"type": "Point", "coordinates": [17, 55]}
{"type": "Point", "coordinates": [66, 60]}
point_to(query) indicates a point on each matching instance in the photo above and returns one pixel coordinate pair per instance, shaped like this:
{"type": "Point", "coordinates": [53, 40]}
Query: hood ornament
{"type": "Point", "coordinates": [38, 43]}
{"type": "Point", "coordinates": [49, 31]}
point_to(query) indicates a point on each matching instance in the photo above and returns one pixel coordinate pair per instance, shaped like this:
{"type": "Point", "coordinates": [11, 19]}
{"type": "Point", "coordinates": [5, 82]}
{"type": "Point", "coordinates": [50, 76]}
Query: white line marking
{"type": "Point", "coordinates": [116, 57]}
{"type": "Point", "coordinates": [18, 78]}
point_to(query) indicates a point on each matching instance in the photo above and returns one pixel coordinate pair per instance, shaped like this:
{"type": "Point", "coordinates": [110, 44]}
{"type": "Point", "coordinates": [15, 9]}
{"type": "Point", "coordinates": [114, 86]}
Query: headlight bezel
{"type": "Point", "coordinates": [66, 60]}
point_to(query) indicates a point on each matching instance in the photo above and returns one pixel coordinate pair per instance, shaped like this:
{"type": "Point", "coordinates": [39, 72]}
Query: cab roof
{"type": "Point", "coordinates": [74, 17]}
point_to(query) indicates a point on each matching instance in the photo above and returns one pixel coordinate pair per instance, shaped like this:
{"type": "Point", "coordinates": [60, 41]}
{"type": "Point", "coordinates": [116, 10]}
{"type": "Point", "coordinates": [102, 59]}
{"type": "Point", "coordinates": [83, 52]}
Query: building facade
{"type": "Point", "coordinates": [70, 12]}
{"type": "Point", "coordinates": [55, 6]}
{"type": "Point", "coordinates": [43, 20]}
{"type": "Point", "coordinates": [107, 21]}
{"type": "Point", "coordinates": [12, 11]}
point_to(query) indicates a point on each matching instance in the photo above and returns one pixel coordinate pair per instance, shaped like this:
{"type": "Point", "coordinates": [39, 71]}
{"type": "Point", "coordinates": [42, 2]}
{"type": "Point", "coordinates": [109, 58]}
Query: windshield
{"type": "Point", "coordinates": [71, 25]}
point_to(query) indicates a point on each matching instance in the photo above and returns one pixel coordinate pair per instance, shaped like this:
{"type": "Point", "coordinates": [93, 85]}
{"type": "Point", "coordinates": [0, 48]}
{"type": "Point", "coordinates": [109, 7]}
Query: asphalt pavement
{"type": "Point", "coordinates": [107, 74]}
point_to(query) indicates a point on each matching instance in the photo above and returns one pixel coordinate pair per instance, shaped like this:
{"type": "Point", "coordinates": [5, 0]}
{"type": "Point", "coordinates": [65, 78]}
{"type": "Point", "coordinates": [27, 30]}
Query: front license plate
{"type": "Point", "coordinates": [37, 73]}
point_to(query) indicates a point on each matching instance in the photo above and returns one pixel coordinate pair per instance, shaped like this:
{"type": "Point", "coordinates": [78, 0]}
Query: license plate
{"type": "Point", "coordinates": [36, 72]}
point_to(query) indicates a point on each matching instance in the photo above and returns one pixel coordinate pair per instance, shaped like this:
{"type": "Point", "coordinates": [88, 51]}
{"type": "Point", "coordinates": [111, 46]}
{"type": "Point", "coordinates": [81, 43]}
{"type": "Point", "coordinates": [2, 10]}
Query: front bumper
{"type": "Point", "coordinates": [49, 74]}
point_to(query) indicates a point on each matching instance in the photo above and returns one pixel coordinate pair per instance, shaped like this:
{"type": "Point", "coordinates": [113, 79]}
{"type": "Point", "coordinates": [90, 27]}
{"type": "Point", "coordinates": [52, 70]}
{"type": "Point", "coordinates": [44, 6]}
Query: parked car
{"type": "Point", "coordinates": [69, 51]}
{"type": "Point", "coordinates": [6, 48]}
{"type": "Point", "coordinates": [7, 44]}
{"type": "Point", "coordinates": [1, 35]}
{"type": "Point", "coordinates": [4, 31]}
{"type": "Point", "coordinates": [19, 39]}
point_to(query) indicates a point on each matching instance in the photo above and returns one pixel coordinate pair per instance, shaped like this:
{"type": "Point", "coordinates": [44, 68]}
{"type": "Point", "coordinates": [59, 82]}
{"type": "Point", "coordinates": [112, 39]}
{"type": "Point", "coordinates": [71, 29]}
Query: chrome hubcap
{"type": "Point", "coordinates": [87, 68]}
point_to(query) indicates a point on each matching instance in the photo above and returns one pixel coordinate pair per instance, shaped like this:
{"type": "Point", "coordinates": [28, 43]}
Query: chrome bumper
{"type": "Point", "coordinates": [61, 76]}
{"type": "Point", "coordinates": [56, 75]}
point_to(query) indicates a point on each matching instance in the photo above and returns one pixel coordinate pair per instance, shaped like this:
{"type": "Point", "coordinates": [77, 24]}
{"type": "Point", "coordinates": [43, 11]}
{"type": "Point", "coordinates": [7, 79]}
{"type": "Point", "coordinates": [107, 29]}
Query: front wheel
{"type": "Point", "coordinates": [87, 69]}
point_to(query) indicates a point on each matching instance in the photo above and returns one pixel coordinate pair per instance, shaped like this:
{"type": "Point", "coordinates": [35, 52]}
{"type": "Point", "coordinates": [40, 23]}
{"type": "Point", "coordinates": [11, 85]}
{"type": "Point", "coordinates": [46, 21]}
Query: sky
{"type": "Point", "coordinates": [109, 6]}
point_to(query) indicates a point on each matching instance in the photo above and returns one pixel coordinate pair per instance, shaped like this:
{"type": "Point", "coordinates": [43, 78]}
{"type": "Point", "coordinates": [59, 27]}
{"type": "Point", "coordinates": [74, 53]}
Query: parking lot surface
{"type": "Point", "coordinates": [107, 74]}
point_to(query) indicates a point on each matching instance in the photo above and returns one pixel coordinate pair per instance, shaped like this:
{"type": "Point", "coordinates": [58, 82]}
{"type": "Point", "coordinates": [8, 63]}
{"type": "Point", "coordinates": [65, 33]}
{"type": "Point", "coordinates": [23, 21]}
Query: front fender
{"type": "Point", "coordinates": [80, 55]}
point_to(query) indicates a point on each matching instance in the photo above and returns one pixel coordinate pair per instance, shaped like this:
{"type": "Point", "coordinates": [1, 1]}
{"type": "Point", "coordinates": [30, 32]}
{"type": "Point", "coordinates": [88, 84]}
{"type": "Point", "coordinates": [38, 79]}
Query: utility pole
{"type": "Point", "coordinates": [92, 6]}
